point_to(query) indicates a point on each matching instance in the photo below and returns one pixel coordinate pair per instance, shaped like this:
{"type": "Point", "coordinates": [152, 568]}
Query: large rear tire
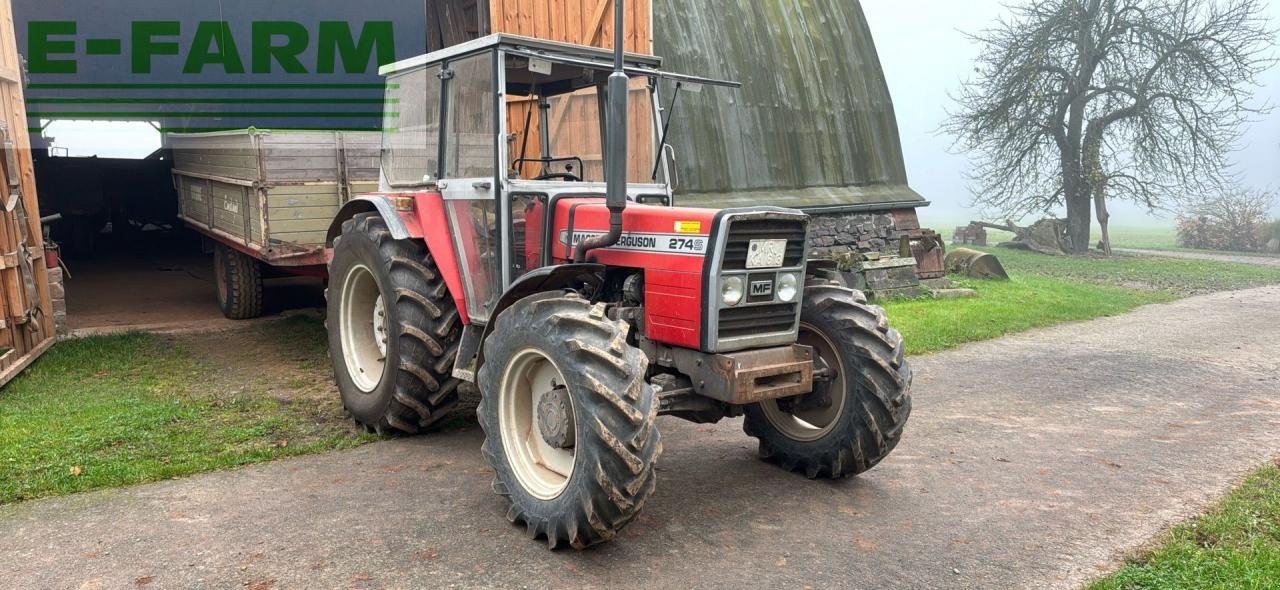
{"type": "Point", "coordinates": [239, 283]}
{"type": "Point", "coordinates": [569, 421]}
{"type": "Point", "coordinates": [856, 415]}
{"type": "Point", "coordinates": [393, 329]}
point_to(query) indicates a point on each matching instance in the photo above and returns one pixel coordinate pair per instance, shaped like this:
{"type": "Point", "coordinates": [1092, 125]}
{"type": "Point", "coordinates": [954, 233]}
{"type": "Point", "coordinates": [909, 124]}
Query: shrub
{"type": "Point", "coordinates": [1271, 232]}
{"type": "Point", "coordinates": [1232, 221]}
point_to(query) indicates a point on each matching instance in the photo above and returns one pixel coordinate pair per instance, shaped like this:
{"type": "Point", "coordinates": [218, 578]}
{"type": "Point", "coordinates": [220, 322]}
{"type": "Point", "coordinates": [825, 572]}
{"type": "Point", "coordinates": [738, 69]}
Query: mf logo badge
{"type": "Point", "coordinates": [761, 289]}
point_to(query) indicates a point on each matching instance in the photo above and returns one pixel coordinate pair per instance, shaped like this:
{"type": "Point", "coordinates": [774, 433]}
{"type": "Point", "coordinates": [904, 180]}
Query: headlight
{"type": "Point", "coordinates": [731, 291]}
{"type": "Point", "coordinates": [788, 288]}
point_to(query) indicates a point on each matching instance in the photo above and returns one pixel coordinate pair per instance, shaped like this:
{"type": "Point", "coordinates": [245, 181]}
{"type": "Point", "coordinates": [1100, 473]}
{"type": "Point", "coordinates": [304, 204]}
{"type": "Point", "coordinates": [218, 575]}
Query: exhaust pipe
{"type": "Point", "coordinates": [616, 143]}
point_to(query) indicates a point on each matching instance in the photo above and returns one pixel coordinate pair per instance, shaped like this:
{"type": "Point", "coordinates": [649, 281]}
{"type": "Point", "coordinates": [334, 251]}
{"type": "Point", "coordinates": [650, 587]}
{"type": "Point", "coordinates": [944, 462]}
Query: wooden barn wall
{"type": "Point", "coordinates": [26, 316]}
{"type": "Point", "coordinates": [586, 22]}
{"type": "Point", "coordinates": [813, 124]}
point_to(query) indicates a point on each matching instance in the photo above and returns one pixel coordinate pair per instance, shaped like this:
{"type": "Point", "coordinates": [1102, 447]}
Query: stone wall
{"type": "Point", "coordinates": [58, 297]}
{"type": "Point", "coordinates": [871, 243]}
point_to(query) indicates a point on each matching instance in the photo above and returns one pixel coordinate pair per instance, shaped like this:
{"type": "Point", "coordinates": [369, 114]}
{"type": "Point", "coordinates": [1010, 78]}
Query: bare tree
{"type": "Point", "coordinates": [1079, 101]}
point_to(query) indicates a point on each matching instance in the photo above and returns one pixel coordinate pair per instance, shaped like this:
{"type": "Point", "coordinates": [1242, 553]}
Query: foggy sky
{"type": "Point", "coordinates": [926, 56]}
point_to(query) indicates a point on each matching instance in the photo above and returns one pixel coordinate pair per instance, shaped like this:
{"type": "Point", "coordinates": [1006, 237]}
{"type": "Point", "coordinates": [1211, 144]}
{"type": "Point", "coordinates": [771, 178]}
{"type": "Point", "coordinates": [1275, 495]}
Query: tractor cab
{"type": "Point", "coordinates": [506, 126]}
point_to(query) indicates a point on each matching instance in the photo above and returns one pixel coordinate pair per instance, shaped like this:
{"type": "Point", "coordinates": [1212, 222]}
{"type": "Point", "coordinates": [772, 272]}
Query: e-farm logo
{"type": "Point", "coordinates": [265, 47]}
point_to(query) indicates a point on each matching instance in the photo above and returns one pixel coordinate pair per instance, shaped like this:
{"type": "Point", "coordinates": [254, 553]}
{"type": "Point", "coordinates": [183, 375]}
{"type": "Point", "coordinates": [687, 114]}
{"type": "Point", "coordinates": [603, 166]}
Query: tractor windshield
{"type": "Point", "coordinates": [555, 132]}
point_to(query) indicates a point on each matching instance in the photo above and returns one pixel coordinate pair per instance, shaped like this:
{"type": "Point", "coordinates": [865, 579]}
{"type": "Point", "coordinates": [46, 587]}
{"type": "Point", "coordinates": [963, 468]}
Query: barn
{"type": "Point", "coordinates": [813, 126]}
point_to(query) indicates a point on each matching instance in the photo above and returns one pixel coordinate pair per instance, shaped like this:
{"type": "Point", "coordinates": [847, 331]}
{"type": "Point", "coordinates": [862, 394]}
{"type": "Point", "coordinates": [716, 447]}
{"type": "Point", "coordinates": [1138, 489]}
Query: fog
{"type": "Point", "coordinates": [926, 56]}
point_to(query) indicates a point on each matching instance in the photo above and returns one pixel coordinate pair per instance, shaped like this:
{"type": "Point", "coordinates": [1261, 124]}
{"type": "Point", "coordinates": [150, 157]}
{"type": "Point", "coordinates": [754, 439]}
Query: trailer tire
{"type": "Point", "coordinates": [869, 394]}
{"type": "Point", "coordinates": [239, 283]}
{"type": "Point", "coordinates": [405, 383]}
{"type": "Point", "coordinates": [585, 490]}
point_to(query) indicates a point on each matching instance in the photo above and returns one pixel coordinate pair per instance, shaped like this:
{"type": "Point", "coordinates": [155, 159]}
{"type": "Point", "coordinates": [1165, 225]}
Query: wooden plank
{"type": "Point", "coordinates": [20, 364]}
{"type": "Point", "coordinates": [27, 339]}
{"type": "Point", "coordinates": [596, 28]}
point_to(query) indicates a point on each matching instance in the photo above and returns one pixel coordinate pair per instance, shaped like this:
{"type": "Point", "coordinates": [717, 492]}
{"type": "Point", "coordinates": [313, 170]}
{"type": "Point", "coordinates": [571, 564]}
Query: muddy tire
{"type": "Point", "coordinates": [868, 392]}
{"type": "Point", "coordinates": [588, 486]}
{"type": "Point", "coordinates": [239, 283]}
{"type": "Point", "coordinates": [393, 330]}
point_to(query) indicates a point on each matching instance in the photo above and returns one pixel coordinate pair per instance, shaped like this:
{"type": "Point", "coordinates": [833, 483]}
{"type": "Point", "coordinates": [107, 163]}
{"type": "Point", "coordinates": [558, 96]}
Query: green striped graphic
{"type": "Point", "coordinates": [237, 115]}
{"type": "Point", "coordinates": [173, 100]}
{"type": "Point", "coordinates": [199, 86]}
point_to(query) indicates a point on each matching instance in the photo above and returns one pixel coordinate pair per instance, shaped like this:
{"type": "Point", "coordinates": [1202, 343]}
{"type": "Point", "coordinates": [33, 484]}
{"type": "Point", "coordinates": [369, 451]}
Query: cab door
{"type": "Point", "coordinates": [26, 314]}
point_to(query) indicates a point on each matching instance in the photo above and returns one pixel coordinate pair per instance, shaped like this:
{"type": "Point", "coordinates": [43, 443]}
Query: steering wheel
{"type": "Point", "coordinates": [568, 176]}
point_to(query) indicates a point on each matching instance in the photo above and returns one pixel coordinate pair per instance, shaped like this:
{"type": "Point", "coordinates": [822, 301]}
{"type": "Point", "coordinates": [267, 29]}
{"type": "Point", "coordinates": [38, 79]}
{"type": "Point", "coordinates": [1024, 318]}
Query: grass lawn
{"type": "Point", "coordinates": [1237, 545]}
{"type": "Point", "coordinates": [118, 410]}
{"type": "Point", "coordinates": [1049, 290]}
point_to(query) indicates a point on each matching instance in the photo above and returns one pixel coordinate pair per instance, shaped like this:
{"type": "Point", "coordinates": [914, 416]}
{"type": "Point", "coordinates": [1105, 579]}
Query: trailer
{"type": "Point", "coordinates": [265, 199]}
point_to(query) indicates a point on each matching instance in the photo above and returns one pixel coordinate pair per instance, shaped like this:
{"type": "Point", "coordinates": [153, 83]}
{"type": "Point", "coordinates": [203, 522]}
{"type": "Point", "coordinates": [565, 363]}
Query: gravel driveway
{"type": "Point", "coordinates": [1037, 460]}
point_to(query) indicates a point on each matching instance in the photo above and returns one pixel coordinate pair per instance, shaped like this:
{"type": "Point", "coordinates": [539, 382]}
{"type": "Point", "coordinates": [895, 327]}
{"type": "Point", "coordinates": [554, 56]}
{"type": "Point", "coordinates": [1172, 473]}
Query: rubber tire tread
{"type": "Point", "coordinates": [616, 413]}
{"type": "Point", "coordinates": [878, 396]}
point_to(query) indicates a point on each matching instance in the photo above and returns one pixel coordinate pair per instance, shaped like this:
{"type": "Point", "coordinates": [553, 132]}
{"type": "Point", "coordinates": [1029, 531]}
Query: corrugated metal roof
{"type": "Point", "coordinates": [812, 126]}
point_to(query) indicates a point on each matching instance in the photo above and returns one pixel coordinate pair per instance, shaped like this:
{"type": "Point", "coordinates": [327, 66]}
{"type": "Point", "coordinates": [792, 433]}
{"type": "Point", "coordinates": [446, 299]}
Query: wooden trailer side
{"type": "Point", "coordinates": [26, 317]}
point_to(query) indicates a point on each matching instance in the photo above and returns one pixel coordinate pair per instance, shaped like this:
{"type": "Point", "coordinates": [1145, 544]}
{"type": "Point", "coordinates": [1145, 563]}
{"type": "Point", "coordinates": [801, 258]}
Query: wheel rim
{"type": "Point", "coordinates": [812, 424]}
{"type": "Point", "coordinates": [542, 470]}
{"type": "Point", "coordinates": [364, 328]}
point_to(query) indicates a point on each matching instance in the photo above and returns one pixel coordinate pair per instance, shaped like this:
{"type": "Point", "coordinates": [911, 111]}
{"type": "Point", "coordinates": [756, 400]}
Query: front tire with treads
{"type": "Point", "coordinates": [578, 493]}
{"type": "Point", "coordinates": [393, 329]}
{"type": "Point", "coordinates": [856, 415]}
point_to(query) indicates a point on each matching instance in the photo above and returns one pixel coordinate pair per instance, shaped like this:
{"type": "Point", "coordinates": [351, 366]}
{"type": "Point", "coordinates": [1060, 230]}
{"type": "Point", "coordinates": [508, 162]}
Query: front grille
{"type": "Point", "coordinates": [741, 233]}
{"type": "Point", "coordinates": [737, 322]}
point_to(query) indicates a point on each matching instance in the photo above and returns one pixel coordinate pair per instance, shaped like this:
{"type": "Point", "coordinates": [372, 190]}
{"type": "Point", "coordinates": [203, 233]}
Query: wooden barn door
{"type": "Point", "coordinates": [26, 316]}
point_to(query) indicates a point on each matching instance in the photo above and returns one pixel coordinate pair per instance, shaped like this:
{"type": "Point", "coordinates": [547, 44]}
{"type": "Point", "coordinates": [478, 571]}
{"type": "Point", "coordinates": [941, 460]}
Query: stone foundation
{"type": "Point", "coordinates": [878, 235]}
{"type": "Point", "coordinates": [58, 298]}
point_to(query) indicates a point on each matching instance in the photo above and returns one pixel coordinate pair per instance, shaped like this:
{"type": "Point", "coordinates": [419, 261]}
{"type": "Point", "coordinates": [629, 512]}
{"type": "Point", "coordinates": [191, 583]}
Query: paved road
{"type": "Point", "coordinates": [1033, 461]}
{"type": "Point", "coordinates": [1271, 261]}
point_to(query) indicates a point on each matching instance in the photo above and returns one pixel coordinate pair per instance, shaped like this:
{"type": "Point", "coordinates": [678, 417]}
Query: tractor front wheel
{"type": "Point", "coordinates": [569, 421]}
{"type": "Point", "coordinates": [861, 400]}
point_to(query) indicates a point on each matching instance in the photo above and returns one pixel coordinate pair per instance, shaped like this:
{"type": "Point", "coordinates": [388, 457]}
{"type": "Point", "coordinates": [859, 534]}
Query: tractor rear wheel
{"type": "Point", "coordinates": [569, 421]}
{"type": "Point", "coordinates": [239, 281]}
{"type": "Point", "coordinates": [855, 416]}
{"type": "Point", "coordinates": [393, 329]}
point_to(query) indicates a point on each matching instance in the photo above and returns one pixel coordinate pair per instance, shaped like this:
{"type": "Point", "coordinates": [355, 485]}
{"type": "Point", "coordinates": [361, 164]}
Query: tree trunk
{"type": "Point", "coordinates": [1104, 217]}
{"type": "Point", "coordinates": [1079, 207]}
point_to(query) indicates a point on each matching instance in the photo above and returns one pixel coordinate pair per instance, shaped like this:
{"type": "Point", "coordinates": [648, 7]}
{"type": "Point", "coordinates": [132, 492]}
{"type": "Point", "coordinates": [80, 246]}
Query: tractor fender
{"type": "Point", "coordinates": [425, 221]}
{"type": "Point", "coordinates": [539, 280]}
{"type": "Point", "coordinates": [384, 207]}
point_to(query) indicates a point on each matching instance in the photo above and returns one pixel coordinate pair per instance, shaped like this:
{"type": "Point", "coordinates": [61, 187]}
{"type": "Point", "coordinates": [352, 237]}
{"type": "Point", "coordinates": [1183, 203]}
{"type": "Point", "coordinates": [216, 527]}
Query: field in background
{"type": "Point", "coordinates": [1156, 235]}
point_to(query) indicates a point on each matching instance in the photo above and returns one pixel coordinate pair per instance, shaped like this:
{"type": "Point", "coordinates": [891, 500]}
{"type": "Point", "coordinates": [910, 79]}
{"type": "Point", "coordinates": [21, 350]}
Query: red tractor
{"type": "Point", "coordinates": [579, 302]}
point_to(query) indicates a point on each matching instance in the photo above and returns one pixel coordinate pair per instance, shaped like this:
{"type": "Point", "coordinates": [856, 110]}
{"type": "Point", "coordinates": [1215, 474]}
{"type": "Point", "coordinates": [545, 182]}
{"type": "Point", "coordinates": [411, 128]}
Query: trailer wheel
{"type": "Point", "coordinates": [856, 414]}
{"type": "Point", "coordinates": [393, 329]}
{"type": "Point", "coordinates": [569, 421]}
{"type": "Point", "coordinates": [239, 280]}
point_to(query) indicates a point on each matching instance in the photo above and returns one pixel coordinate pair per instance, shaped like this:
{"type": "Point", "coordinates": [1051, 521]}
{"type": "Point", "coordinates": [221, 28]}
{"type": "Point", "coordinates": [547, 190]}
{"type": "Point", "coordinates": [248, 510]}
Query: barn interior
{"type": "Point", "coordinates": [128, 261]}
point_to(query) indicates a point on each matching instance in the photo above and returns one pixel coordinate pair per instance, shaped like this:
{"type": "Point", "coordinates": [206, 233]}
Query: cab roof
{"type": "Point", "coordinates": [521, 44]}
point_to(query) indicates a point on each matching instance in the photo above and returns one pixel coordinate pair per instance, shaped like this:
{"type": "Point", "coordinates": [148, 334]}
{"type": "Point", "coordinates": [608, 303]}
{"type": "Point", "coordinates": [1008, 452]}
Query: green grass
{"type": "Point", "coordinates": [1027, 301]}
{"type": "Point", "coordinates": [1049, 290]}
{"type": "Point", "coordinates": [1235, 546]}
{"type": "Point", "coordinates": [117, 410]}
